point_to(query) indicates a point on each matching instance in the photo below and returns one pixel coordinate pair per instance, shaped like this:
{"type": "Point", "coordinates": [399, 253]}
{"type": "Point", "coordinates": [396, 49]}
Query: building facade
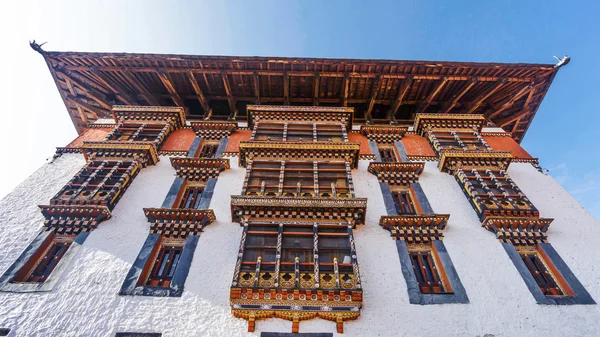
{"type": "Point", "coordinates": [222, 196]}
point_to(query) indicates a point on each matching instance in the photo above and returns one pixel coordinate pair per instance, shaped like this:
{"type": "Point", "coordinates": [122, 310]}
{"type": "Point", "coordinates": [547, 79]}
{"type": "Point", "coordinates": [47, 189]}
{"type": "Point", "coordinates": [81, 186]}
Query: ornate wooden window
{"type": "Point", "coordinates": [42, 263]}
{"type": "Point", "coordinates": [465, 140]}
{"type": "Point", "coordinates": [403, 201]}
{"type": "Point", "coordinates": [137, 132]}
{"type": "Point", "coordinates": [191, 195]}
{"type": "Point", "coordinates": [544, 273]}
{"type": "Point", "coordinates": [308, 132]}
{"type": "Point", "coordinates": [208, 150]}
{"type": "Point", "coordinates": [492, 192]}
{"type": "Point", "coordinates": [427, 269]}
{"type": "Point", "coordinates": [161, 266]}
{"type": "Point", "coordinates": [98, 183]}
{"type": "Point", "coordinates": [387, 154]}
{"type": "Point", "coordinates": [296, 255]}
{"type": "Point", "coordinates": [299, 179]}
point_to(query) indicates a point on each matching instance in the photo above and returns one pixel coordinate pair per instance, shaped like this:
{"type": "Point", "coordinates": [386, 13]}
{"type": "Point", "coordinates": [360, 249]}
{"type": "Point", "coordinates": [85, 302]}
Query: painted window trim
{"type": "Point", "coordinates": [52, 280]}
{"type": "Point", "coordinates": [581, 294]}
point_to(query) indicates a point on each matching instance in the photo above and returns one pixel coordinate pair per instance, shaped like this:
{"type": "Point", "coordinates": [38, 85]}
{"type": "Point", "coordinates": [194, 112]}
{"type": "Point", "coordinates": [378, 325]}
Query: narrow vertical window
{"type": "Point", "coordinates": [45, 260]}
{"type": "Point", "coordinates": [387, 155]}
{"type": "Point", "coordinates": [403, 203]}
{"type": "Point", "coordinates": [427, 270]}
{"type": "Point", "coordinates": [191, 197]}
{"type": "Point", "coordinates": [541, 271]}
{"type": "Point", "coordinates": [208, 150]}
{"type": "Point", "coordinates": [165, 263]}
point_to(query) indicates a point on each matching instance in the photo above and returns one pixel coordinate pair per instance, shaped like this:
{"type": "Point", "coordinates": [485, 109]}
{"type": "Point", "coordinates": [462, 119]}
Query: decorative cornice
{"type": "Point", "coordinates": [383, 134]}
{"type": "Point", "coordinates": [149, 114]}
{"type": "Point", "coordinates": [451, 159]}
{"type": "Point", "coordinates": [61, 150]}
{"type": "Point", "coordinates": [143, 152]}
{"type": "Point", "coordinates": [73, 219]}
{"type": "Point", "coordinates": [214, 130]}
{"type": "Point", "coordinates": [252, 315]}
{"type": "Point", "coordinates": [416, 228]}
{"type": "Point", "coordinates": [299, 151]}
{"type": "Point", "coordinates": [318, 114]}
{"type": "Point", "coordinates": [496, 134]}
{"type": "Point", "coordinates": [518, 230]}
{"type": "Point", "coordinates": [421, 158]}
{"type": "Point", "coordinates": [404, 173]}
{"type": "Point", "coordinates": [178, 222]}
{"type": "Point", "coordinates": [429, 121]}
{"type": "Point", "coordinates": [199, 168]}
{"type": "Point", "coordinates": [173, 153]}
{"type": "Point", "coordinates": [298, 208]}
{"type": "Point", "coordinates": [101, 125]}
{"type": "Point", "coordinates": [365, 156]}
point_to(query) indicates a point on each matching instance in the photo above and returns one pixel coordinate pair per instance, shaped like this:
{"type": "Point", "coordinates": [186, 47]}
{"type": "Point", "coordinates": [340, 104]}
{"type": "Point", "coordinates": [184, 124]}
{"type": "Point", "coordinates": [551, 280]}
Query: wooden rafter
{"type": "Point", "coordinates": [257, 88]}
{"type": "Point", "coordinates": [526, 89]}
{"type": "Point", "coordinates": [164, 78]}
{"type": "Point", "coordinates": [474, 105]}
{"type": "Point", "coordinates": [425, 104]}
{"type": "Point", "coordinates": [286, 89]}
{"type": "Point", "coordinates": [374, 91]}
{"type": "Point", "coordinates": [316, 89]}
{"type": "Point", "coordinates": [97, 96]}
{"type": "Point", "coordinates": [448, 107]}
{"type": "Point", "coordinates": [346, 87]}
{"type": "Point", "coordinates": [78, 101]}
{"type": "Point", "coordinates": [402, 91]}
{"type": "Point", "coordinates": [519, 115]}
{"type": "Point", "coordinates": [199, 94]}
{"type": "Point", "coordinates": [146, 95]}
{"type": "Point", "coordinates": [230, 98]}
{"type": "Point", "coordinates": [117, 89]}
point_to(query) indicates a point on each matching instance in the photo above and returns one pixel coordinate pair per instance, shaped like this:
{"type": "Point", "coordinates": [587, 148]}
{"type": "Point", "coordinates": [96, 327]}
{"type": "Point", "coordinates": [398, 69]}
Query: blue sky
{"type": "Point", "coordinates": [563, 134]}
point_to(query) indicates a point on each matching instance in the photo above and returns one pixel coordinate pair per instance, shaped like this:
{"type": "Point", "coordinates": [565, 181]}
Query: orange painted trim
{"type": "Point", "coordinates": [355, 137]}
{"type": "Point", "coordinates": [507, 144]}
{"type": "Point", "coordinates": [233, 145]}
{"type": "Point", "coordinates": [179, 140]}
{"type": "Point", "coordinates": [417, 146]}
{"type": "Point", "coordinates": [92, 134]}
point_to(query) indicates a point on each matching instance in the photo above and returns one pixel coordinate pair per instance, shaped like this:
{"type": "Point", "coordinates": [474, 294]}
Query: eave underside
{"type": "Point", "coordinates": [220, 88]}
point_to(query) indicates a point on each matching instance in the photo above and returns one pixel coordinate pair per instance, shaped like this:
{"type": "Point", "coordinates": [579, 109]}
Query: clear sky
{"type": "Point", "coordinates": [564, 134]}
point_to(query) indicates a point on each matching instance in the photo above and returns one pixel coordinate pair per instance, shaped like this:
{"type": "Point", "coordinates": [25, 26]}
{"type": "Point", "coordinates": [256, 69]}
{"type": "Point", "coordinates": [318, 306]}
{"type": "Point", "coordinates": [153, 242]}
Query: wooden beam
{"type": "Point", "coordinates": [230, 98]}
{"type": "Point", "coordinates": [509, 119]}
{"type": "Point", "coordinates": [256, 88]}
{"type": "Point", "coordinates": [425, 104]}
{"type": "Point", "coordinates": [345, 88]}
{"type": "Point", "coordinates": [170, 88]}
{"type": "Point", "coordinates": [402, 91]}
{"type": "Point", "coordinates": [448, 107]}
{"type": "Point", "coordinates": [527, 89]}
{"type": "Point", "coordinates": [83, 114]}
{"type": "Point", "coordinates": [286, 89]}
{"type": "Point", "coordinates": [77, 100]}
{"type": "Point", "coordinates": [118, 90]}
{"type": "Point", "coordinates": [316, 89]}
{"type": "Point", "coordinates": [200, 95]}
{"type": "Point", "coordinates": [374, 92]}
{"type": "Point", "coordinates": [146, 95]}
{"type": "Point", "coordinates": [99, 97]}
{"type": "Point", "coordinates": [485, 95]}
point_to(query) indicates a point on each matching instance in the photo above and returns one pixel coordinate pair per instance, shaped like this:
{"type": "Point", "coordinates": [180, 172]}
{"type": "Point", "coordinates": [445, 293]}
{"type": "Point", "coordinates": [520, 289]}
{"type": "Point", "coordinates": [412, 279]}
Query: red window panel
{"type": "Point", "coordinates": [42, 267]}
{"type": "Point", "coordinates": [426, 271]}
{"type": "Point", "coordinates": [403, 202]}
{"type": "Point", "coordinates": [542, 275]}
{"type": "Point", "coordinates": [387, 155]}
{"type": "Point", "coordinates": [191, 197]}
{"type": "Point", "coordinates": [165, 265]}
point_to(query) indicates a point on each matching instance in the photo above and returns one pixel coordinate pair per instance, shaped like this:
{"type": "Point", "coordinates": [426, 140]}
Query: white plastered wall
{"type": "Point", "coordinates": [85, 301]}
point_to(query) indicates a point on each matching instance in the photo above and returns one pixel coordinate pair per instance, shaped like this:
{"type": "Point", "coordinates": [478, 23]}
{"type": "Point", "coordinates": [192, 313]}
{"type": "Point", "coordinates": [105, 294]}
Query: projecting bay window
{"type": "Point", "coordinates": [428, 270]}
{"type": "Point", "coordinates": [297, 256]}
{"type": "Point", "coordinates": [163, 262]}
{"type": "Point", "coordinates": [137, 132]}
{"type": "Point", "coordinates": [457, 140]}
{"type": "Point", "coordinates": [492, 192]}
{"type": "Point", "coordinates": [39, 267]}
{"type": "Point", "coordinates": [98, 183]}
{"type": "Point", "coordinates": [299, 179]}
{"type": "Point", "coordinates": [299, 132]}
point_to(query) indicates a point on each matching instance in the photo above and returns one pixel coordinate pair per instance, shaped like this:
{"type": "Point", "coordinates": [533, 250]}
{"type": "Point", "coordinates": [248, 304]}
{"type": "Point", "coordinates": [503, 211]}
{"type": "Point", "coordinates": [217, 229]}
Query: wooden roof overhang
{"type": "Point", "coordinates": [416, 228]}
{"type": "Point", "coordinates": [301, 114]}
{"type": "Point", "coordinates": [405, 173]}
{"type": "Point", "coordinates": [299, 209]}
{"type": "Point", "coordinates": [251, 150]}
{"type": "Point", "coordinates": [220, 87]}
{"type": "Point", "coordinates": [199, 168]}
